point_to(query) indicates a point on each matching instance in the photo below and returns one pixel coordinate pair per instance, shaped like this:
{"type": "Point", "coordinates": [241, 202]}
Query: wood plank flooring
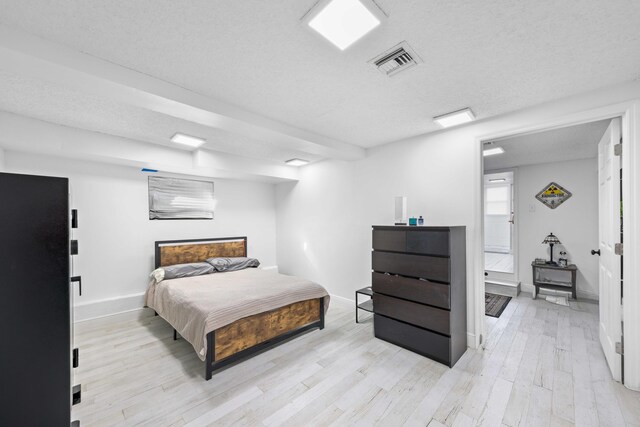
{"type": "Point", "coordinates": [542, 366]}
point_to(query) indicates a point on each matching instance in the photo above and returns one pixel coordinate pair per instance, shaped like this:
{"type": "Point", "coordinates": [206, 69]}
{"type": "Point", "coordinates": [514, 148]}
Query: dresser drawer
{"type": "Point", "coordinates": [419, 340]}
{"type": "Point", "coordinates": [422, 291]}
{"type": "Point", "coordinates": [428, 242]}
{"type": "Point", "coordinates": [411, 265]}
{"type": "Point", "coordinates": [390, 240]}
{"type": "Point", "coordinates": [434, 319]}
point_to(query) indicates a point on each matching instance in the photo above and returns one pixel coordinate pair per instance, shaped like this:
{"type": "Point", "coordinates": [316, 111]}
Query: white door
{"type": "Point", "coordinates": [609, 235]}
{"type": "Point", "coordinates": [499, 232]}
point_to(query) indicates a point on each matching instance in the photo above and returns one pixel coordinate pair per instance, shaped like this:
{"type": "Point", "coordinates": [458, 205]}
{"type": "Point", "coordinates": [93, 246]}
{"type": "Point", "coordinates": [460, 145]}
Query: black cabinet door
{"type": "Point", "coordinates": [35, 366]}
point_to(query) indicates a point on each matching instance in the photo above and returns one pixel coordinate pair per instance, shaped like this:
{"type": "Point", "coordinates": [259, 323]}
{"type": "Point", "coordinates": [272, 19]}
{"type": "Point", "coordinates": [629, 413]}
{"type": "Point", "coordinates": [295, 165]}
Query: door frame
{"type": "Point", "coordinates": [514, 236]}
{"type": "Point", "coordinates": [629, 112]}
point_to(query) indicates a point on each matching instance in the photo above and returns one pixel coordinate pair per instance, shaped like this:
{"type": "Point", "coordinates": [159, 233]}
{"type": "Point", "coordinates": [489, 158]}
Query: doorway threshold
{"type": "Point", "coordinates": [502, 287]}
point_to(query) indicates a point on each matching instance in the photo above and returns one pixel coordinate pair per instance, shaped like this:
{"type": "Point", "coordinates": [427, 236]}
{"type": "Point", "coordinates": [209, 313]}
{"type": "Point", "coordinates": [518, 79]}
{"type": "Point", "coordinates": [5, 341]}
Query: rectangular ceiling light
{"type": "Point", "coordinates": [492, 151]}
{"type": "Point", "coordinates": [296, 162]}
{"type": "Point", "coordinates": [497, 180]}
{"type": "Point", "coordinates": [191, 141]}
{"type": "Point", "coordinates": [455, 118]}
{"type": "Point", "coordinates": [343, 22]}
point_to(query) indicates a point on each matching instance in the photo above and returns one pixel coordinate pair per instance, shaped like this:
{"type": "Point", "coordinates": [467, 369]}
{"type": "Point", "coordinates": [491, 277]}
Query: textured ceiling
{"type": "Point", "coordinates": [494, 56]}
{"type": "Point", "coordinates": [568, 143]}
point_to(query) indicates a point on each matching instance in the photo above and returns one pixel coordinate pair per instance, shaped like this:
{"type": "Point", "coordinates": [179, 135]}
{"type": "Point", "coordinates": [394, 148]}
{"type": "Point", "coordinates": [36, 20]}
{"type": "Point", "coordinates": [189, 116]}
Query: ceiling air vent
{"type": "Point", "coordinates": [399, 58]}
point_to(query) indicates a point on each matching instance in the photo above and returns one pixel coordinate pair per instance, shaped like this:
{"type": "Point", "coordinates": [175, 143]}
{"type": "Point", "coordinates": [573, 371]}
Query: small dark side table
{"type": "Point", "coordinates": [560, 285]}
{"type": "Point", "coordinates": [366, 305]}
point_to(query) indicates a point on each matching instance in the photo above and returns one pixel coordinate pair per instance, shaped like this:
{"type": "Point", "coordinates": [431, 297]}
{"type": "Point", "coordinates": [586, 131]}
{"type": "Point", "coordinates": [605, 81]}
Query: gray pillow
{"type": "Point", "coordinates": [233, 264]}
{"type": "Point", "coordinates": [187, 270]}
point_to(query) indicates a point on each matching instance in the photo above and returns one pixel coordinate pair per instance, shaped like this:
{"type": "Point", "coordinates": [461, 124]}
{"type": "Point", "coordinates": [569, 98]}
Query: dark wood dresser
{"type": "Point", "coordinates": [420, 289]}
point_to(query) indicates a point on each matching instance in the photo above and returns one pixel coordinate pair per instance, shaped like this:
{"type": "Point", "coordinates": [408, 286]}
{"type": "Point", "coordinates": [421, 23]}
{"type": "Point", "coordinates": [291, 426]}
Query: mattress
{"type": "Point", "coordinates": [195, 306]}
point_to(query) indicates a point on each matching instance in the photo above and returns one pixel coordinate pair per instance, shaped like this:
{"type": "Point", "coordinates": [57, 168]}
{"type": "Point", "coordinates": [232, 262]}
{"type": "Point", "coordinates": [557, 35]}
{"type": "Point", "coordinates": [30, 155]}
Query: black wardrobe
{"type": "Point", "coordinates": [36, 350]}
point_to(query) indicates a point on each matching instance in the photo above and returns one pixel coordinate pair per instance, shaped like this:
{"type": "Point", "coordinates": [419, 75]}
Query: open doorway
{"type": "Point", "coordinates": [559, 190]}
{"type": "Point", "coordinates": [500, 241]}
{"type": "Point", "coordinates": [518, 179]}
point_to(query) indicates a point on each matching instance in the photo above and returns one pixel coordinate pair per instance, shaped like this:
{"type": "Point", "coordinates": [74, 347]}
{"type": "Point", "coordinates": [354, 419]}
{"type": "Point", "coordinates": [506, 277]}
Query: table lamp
{"type": "Point", "coordinates": [551, 239]}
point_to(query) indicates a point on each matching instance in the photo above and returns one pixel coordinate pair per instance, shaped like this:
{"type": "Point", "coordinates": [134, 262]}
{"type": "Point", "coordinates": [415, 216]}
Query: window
{"type": "Point", "coordinates": [497, 200]}
{"type": "Point", "coordinates": [173, 198]}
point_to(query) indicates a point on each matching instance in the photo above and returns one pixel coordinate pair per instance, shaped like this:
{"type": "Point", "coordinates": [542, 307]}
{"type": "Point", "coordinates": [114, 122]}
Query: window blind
{"type": "Point", "coordinates": [173, 198]}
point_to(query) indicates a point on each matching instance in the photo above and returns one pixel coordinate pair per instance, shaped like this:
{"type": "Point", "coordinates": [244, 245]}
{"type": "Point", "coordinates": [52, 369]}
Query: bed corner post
{"type": "Point", "coordinates": [211, 339]}
{"type": "Point", "coordinates": [321, 313]}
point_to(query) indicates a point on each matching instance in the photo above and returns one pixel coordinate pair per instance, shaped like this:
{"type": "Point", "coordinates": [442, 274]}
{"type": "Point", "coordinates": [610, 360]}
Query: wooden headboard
{"type": "Point", "coordinates": [169, 252]}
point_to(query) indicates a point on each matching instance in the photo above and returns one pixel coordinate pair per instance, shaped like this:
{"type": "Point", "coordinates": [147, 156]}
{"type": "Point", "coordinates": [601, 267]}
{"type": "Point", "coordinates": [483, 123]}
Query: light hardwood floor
{"type": "Point", "coordinates": [541, 366]}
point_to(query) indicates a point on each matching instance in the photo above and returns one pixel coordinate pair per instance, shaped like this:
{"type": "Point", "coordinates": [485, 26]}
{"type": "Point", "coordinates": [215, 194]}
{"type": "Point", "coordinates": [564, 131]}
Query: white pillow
{"type": "Point", "coordinates": [157, 274]}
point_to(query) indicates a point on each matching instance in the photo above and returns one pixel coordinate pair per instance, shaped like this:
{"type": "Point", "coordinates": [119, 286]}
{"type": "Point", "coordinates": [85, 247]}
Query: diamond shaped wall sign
{"type": "Point", "coordinates": [553, 195]}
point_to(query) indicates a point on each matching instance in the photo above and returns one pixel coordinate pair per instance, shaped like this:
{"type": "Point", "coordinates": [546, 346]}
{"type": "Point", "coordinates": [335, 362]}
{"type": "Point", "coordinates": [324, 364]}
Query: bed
{"type": "Point", "coordinates": [230, 316]}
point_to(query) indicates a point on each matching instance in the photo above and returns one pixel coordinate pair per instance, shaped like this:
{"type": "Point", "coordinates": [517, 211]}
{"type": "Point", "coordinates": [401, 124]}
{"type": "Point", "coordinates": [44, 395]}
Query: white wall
{"type": "Point", "coordinates": [318, 228]}
{"type": "Point", "coordinates": [331, 209]}
{"type": "Point", "coordinates": [116, 237]}
{"type": "Point", "coordinates": [575, 222]}
{"type": "Point", "coordinates": [333, 206]}
{"type": "Point", "coordinates": [1, 160]}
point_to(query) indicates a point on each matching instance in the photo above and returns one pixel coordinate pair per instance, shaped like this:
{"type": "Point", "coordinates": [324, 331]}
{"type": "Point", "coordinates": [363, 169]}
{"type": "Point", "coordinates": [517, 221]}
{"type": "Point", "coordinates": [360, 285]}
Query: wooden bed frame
{"type": "Point", "coordinates": [249, 335]}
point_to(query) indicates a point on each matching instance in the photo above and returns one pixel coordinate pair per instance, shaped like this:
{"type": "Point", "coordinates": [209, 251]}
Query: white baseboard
{"type": "Point", "coordinates": [471, 340]}
{"type": "Point", "coordinates": [342, 300]}
{"type": "Point", "coordinates": [108, 307]}
{"type": "Point", "coordinates": [501, 288]}
{"type": "Point", "coordinates": [588, 296]}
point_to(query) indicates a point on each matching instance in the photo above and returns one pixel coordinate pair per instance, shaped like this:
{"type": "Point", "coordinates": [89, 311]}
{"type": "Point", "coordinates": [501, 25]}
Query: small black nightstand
{"type": "Point", "coordinates": [368, 304]}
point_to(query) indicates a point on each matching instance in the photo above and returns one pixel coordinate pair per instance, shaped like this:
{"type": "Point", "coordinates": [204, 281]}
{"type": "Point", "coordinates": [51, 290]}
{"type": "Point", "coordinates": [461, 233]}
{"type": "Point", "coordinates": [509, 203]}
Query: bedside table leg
{"type": "Point", "coordinates": [533, 276]}
{"type": "Point", "coordinates": [357, 308]}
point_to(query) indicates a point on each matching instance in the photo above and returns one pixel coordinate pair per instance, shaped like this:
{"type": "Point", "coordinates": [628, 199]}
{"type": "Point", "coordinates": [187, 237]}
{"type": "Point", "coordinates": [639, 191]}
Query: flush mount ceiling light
{"type": "Point", "coordinates": [191, 141]}
{"type": "Point", "coordinates": [497, 179]}
{"type": "Point", "coordinates": [492, 151]}
{"type": "Point", "coordinates": [343, 22]}
{"type": "Point", "coordinates": [297, 162]}
{"type": "Point", "coordinates": [455, 118]}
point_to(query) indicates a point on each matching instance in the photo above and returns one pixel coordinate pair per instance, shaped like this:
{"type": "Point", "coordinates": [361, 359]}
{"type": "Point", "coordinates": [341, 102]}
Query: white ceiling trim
{"type": "Point", "coordinates": [24, 134]}
{"type": "Point", "coordinates": [28, 55]}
